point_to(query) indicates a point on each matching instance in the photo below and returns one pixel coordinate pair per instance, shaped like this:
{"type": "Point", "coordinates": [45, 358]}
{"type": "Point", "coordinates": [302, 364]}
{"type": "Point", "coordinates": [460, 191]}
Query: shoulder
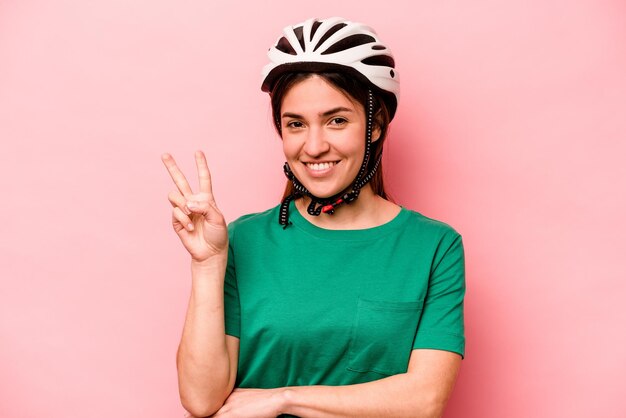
{"type": "Point", "coordinates": [430, 227]}
{"type": "Point", "coordinates": [254, 222]}
{"type": "Point", "coordinates": [447, 245]}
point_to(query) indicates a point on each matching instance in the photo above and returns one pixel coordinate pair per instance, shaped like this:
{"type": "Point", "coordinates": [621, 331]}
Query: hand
{"type": "Point", "coordinates": [196, 218]}
{"type": "Point", "coordinates": [252, 403]}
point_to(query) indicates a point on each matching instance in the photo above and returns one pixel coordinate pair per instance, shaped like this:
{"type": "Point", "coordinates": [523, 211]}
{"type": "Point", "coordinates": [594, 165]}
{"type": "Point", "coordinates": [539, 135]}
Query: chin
{"type": "Point", "coordinates": [325, 193]}
{"type": "Point", "coordinates": [322, 188]}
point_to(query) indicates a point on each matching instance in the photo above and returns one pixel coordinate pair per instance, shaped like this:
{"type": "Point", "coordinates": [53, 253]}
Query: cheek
{"type": "Point", "coordinates": [290, 148]}
{"type": "Point", "coordinates": [356, 146]}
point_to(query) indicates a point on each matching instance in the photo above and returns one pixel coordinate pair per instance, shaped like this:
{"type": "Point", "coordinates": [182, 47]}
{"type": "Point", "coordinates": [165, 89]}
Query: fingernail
{"type": "Point", "coordinates": [192, 204]}
{"type": "Point", "coordinates": [190, 227]}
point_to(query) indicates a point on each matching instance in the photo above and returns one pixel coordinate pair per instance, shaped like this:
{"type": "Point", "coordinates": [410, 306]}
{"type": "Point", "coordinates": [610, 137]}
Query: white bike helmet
{"type": "Point", "coordinates": [335, 44]}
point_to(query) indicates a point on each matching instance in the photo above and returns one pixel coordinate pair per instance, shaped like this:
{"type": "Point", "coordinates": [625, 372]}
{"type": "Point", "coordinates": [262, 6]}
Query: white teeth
{"type": "Point", "coordinates": [320, 166]}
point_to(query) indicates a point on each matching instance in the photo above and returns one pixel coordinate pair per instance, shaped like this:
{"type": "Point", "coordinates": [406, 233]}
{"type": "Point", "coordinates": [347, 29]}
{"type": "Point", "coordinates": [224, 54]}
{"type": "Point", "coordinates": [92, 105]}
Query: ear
{"type": "Point", "coordinates": [376, 131]}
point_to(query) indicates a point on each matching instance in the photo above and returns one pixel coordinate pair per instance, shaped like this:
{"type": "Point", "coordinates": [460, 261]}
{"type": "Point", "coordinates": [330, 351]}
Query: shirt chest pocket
{"type": "Point", "coordinates": [382, 336]}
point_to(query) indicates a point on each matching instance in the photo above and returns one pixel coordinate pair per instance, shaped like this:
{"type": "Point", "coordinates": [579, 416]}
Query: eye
{"type": "Point", "coordinates": [338, 121]}
{"type": "Point", "coordinates": [294, 124]}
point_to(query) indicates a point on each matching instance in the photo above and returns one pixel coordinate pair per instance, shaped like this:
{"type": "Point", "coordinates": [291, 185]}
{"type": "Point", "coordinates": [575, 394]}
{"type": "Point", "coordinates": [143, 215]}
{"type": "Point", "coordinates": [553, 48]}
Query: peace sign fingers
{"type": "Point", "coordinates": [196, 219]}
{"type": "Point", "coordinates": [177, 175]}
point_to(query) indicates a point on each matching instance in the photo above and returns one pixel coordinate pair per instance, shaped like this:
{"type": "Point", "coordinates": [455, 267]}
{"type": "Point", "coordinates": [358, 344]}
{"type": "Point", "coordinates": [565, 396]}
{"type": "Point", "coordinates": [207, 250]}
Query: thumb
{"type": "Point", "coordinates": [202, 208]}
{"type": "Point", "coordinates": [197, 207]}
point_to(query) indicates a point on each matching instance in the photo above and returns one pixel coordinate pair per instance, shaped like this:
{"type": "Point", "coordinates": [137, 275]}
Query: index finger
{"type": "Point", "coordinates": [204, 175]}
{"type": "Point", "coordinates": [177, 175]}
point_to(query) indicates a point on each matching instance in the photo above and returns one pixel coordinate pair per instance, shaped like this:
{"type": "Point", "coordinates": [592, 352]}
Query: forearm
{"type": "Point", "coordinates": [204, 374]}
{"type": "Point", "coordinates": [401, 395]}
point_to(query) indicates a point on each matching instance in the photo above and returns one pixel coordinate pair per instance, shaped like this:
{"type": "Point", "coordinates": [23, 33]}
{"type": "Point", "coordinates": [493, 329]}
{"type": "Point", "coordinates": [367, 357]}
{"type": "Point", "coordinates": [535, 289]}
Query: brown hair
{"type": "Point", "coordinates": [356, 91]}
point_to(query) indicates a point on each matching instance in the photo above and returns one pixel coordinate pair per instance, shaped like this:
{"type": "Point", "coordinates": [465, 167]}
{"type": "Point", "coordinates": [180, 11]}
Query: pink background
{"type": "Point", "coordinates": [511, 128]}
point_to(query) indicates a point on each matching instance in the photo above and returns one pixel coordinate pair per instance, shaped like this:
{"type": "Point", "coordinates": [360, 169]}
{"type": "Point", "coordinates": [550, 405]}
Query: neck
{"type": "Point", "coordinates": [367, 211]}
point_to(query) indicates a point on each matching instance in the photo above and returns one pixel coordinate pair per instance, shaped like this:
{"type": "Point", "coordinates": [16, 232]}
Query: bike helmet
{"type": "Point", "coordinates": [334, 45]}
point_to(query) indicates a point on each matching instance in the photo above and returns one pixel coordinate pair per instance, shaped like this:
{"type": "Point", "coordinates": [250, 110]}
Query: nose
{"type": "Point", "coordinates": [316, 143]}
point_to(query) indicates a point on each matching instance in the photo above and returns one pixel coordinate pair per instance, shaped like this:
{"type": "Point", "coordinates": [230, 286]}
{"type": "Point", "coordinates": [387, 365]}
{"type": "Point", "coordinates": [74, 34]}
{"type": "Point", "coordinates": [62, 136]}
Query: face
{"type": "Point", "coordinates": [323, 133]}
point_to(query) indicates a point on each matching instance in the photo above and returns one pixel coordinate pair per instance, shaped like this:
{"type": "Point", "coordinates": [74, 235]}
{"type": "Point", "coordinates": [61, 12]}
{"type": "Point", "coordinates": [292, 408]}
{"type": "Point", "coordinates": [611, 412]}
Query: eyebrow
{"type": "Point", "coordinates": [327, 113]}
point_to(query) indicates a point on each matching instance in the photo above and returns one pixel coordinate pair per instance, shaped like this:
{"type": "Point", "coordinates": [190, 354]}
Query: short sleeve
{"type": "Point", "coordinates": [442, 323]}
{"type": "Point", "coordinates": [232, 309]}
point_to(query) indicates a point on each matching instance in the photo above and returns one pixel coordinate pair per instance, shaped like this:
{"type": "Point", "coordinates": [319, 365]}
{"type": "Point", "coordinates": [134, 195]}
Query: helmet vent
{"type": "Point", "coordinates": [349, 42]}
{"type": "Point", "coordinates": [284, 46]}
{"type": "Point", "coordinates": [316, 25]}
{"type": "Point", "coordinates": [378, 47]}
{"type": "Point", "coordinates": [330, 33]}
{"type": "Point", "coordinates": [380, 60]}
{"type": "Point", "coordinates": [300, 36]}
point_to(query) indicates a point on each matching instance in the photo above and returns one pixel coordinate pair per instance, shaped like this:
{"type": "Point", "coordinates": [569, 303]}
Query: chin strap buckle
{"type": "Point", "coordinates": [330, 209]}
{"type": "Point", "coordinates": [346, 198]}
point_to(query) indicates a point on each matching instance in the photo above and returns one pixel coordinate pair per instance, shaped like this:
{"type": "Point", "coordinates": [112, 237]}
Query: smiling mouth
{"type": "Point", "coordinates": [321, 166]}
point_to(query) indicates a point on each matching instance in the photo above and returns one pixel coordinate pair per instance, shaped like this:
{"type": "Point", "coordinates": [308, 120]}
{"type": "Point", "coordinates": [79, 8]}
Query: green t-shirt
{"type": "Point", "coordinates": [313, 306]}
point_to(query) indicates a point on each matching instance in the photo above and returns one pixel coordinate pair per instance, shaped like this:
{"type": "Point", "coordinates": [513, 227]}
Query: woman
{"type": "Point", "coordinates": [337, 302]}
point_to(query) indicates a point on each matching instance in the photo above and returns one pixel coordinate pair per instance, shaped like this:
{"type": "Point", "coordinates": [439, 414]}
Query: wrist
{"type": "Point", "coordinates": [211, 262]}
{"type": "Point", "coordinates": [214, 266]}
{"type": "Point", "coordinates": [286, 399]}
